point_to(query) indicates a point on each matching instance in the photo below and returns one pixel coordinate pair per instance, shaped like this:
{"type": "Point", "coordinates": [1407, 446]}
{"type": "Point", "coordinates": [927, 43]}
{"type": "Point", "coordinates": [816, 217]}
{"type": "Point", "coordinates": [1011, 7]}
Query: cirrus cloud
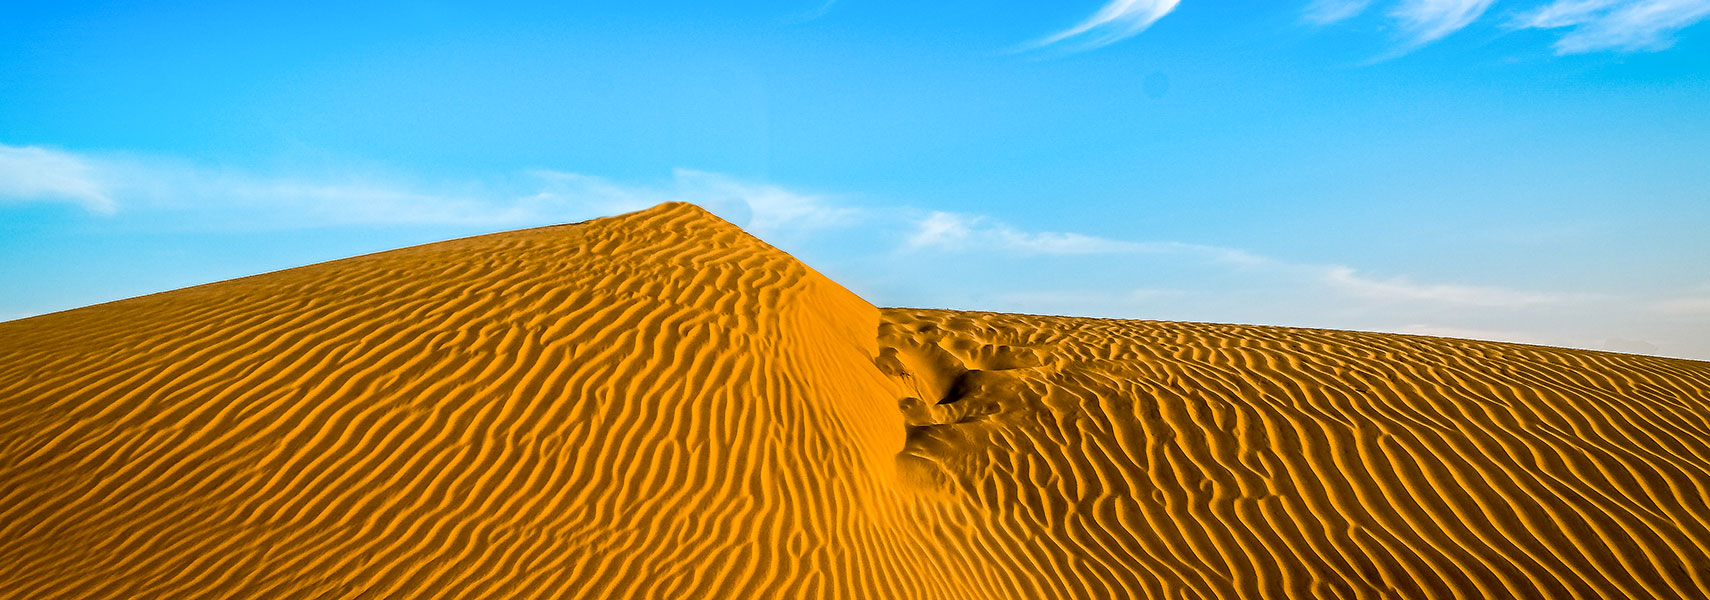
{"type": "Point", "coordinates": [224, 198]}
{"type": "Point", "coordinates": [32, 173]}
{"type": "Point", "coordinates": [1426, 21]}
{"type": "Point", "coordinates": [1614, 25]}
{"type": "Point", "coordinates": [1114, 22]}
{"type": "Point", "coordinates": [1586, 25]}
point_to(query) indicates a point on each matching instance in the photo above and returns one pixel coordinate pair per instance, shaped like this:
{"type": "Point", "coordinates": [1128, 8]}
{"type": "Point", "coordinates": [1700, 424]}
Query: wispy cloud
{"type": "Point", "coordinates": [219, 198]}
{"type": "Point", "coordinates": [952, 231]}
{"type": "Point", "coordinates": [762, 208]}
{"type": "Point", "coordinates": [30, 173]}
{"type": "Point", "coordinates": [812, 14]}
{"type": "Point", "coordinates": [1426, 21]}
{"type": "Point", "coordinates": [1565, 13]}
{"type": "Point", "coordinates": [1047, 272]}
{"type": "Point", "coordinates": [1325, 12]}
{"type": "Point", "coordinates": [957, 232]}
{"type": "Point", "coordinates": [113, 185]}
{"type": "Point", "coordinates": [1116, 21]}
{"type": "Point", "coordinates": [1617, 25]}
{"type": "Point", "coordinates": [1591, 25]}
{"type": "Point", "coordinates": [1346, 279]}
{"type": "Point", "coordinates": [940, 258]}
{"type": "Point", "coordinates": [949, 231]}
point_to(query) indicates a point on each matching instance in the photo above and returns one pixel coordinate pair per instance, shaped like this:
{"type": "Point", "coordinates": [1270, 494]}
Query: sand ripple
{"type": "Point", "coordinates": [658, 405]}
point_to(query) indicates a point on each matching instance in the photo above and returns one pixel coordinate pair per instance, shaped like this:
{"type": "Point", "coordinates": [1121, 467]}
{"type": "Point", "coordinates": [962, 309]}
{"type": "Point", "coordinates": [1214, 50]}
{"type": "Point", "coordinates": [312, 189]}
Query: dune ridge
{"type": "Point", "coordinates": [658, 405]}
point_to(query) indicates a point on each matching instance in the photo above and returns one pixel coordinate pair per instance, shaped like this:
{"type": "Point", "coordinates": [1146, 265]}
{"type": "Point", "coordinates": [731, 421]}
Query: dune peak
{"type": "Point", "coordinates": [660, 405]}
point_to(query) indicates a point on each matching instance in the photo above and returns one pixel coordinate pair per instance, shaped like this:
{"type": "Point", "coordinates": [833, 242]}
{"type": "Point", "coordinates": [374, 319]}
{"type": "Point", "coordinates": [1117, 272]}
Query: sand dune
{"type": "Point", "coordinates": [658, 405]}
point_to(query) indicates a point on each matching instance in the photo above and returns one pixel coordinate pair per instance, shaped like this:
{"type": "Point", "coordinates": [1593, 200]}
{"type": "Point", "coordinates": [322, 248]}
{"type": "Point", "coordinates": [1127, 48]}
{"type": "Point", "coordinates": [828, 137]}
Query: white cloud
{"type": "Point", "coordinates": [1427, 21]}
{"type": "Point", "coordinates": [816, 13]}
{"type": "Point", "coordinates": [1398, 289]}
{"type": "Point", "coordinates": [941, 230]}
{"type": "Point", "coordinates": [106, 185]}
{"type": "Point", "coordinates": [771, 208]}
{"type": "Point", "coordinates": [1114, 22]}
{"type": "Point", "coordinates": [957, 232]}
{"type": "Point", "coordinates": [1590, 25]}
{"type": "Point", "coordinates": [1619, 25]}
{"type": "Point", "coordinates": [971, 261]}
{"type": "Point", "coordinates": [1051, 242]}
{"type": "Point", "coordinates": [226, 198]}
{"type": "Point", "coordinates": [967, 261]}
{"type": "Point", "coordinates": [1325, 12]}
{"type": "Point", "coordinates": [960, 232]}
{"type": "Point", "coordinates": [1564, 13]}
{"type": "Point", "coordinates": [954, 232]}
{"type": "Point", "coordinates": [30, 173]}
{"type": "Point", "coordinates": [760, 208]}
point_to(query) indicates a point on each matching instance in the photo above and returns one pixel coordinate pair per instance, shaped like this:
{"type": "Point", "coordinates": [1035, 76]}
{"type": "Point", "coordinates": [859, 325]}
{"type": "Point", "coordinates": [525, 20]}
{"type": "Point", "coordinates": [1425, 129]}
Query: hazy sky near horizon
{"type": "Point", "coordinates": [1533, 171]}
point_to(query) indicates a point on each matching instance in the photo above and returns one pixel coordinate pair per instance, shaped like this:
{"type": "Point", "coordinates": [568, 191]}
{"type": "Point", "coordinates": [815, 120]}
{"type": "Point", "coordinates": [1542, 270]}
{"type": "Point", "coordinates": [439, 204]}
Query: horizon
{"type": "Point", "coordinates": [1530, 172]}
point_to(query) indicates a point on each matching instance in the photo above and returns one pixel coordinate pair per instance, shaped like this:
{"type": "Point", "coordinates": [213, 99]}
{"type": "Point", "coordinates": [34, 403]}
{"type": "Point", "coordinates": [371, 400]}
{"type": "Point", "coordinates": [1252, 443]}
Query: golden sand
{"type": "Point", "coordinates": [658, 405]}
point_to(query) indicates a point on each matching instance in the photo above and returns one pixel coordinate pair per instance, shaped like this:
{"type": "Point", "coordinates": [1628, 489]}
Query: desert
{"type": "Point", "coordinates": [855, 300]}
{"type": "Point", "coordinates": [660, 405]}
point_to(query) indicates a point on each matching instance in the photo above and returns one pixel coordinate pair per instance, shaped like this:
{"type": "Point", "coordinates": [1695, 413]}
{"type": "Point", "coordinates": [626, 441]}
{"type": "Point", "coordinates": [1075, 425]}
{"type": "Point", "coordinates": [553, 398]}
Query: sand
{"type": "Point", "coordinates": [658, 405]}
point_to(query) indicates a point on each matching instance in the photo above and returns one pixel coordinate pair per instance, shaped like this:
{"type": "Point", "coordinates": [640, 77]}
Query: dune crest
{"type": "Point", "coordinates": [658, 405]}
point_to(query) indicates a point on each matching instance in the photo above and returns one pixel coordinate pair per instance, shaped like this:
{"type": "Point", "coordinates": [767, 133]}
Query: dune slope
{"type": "Point", "coordinates": [1108, 458]}
{"type": "Point", "coordinates": [658, 405]}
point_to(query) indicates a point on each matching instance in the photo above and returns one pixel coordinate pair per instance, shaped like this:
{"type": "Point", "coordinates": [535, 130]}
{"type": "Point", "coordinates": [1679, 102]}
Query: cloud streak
{"type": "Point", "coordinates": [1114, 22]}
{"type": "Point", "coordinates": [952, 232]}
{"type": "Point", "coordinates": [940, 258]}
{"type": "Point", "coordinates": [1345, 278]}
{"type": "Point", "coordinates": [1614, 25]}
{"type": "Point", "coordinates": [1325, 12]}
{"type": "Point", "coordinates": [1586, 25]}
{"type": "Point", "coordinates": [223, 199]}
{"type": "Point", "coordinates": [978, 262]}
{"type": "Point", "coordinates": [34, 174]}
{"type": "Point", "coordinates": [957, 232]}
{"type": "Point", "coordinates": [1591, 25]}
{"type": "Point", "coordinates": [761, 208]}
{"type": "Point", "coordinates": [1426, 21]}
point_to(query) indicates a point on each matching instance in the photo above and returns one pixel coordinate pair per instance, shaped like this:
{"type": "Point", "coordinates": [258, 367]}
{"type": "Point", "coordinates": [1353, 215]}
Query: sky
{"type": "Point", "coordinates": [1534, 171]}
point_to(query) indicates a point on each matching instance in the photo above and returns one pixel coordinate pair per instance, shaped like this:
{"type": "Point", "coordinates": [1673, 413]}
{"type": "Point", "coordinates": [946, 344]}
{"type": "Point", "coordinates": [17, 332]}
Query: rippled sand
{"type": "Point", "coordinates": [658, 405]}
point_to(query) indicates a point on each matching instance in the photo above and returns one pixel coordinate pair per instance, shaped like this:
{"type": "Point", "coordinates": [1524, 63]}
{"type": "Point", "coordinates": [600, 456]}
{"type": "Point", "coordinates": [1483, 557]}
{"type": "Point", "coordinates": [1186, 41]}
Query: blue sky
{"type": "Point", "coordinates": [1534, 171]}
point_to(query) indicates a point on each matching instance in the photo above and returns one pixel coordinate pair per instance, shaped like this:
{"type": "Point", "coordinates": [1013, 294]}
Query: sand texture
{"type": "Point", "coordinates": [658, 405]}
